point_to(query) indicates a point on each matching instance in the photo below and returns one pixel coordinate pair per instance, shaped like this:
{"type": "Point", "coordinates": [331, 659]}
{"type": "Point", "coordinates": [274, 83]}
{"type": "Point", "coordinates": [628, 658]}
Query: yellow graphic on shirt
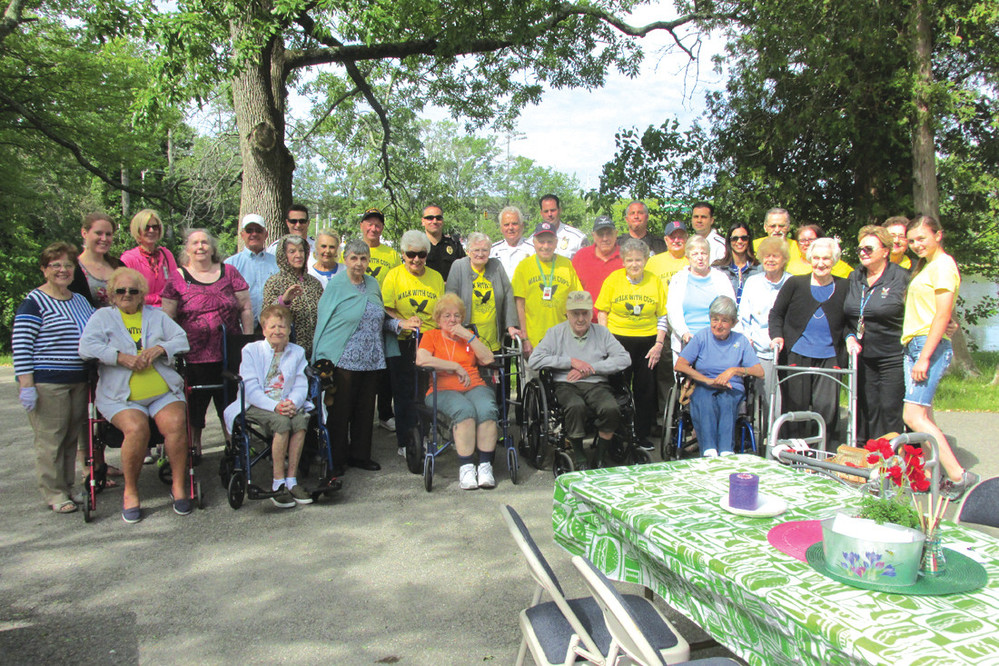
{"type": "Point", "coordinates": [484, 311]}
{"type": "Point", "coordinates": [633, 310]}
{"type": "Point", "coordinates": [411, 295]}
{"type": "Point", "coordinates": [383, 259]}
{"type": "Point", "coordinates": [146, 383]}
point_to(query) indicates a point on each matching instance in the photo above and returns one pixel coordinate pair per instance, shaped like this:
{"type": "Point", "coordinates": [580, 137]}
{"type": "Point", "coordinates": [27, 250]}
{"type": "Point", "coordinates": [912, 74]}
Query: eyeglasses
{"type": "Point", "coordinates": [738, 238]}
{"type": "Point", "coordinates": [297, 221]}
{"type": "Point", "coordinates": [413, 255]}
{"type": "Point", "coordinates": [61, 267]}
{"type": "Point", "coordinates": [153, 227]}
{"type": "Point", "coordinates": [805, 241]}
{"type": "Point", "coordinates": [866, 249]}
{"type": "Point", "coordinates": [121, 291]}
{"type": "Point", "coordinates": [434, 217]}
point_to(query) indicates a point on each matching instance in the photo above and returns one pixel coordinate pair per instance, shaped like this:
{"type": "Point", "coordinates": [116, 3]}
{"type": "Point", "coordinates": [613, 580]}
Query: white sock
{"type": "Point", "coordinates": [291, 482]}
{"type": "Point", "coordinates": [277, 484]}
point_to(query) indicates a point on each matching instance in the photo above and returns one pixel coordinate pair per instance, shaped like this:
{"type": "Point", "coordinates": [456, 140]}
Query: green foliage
{"type": "Point", "coordinates": [970, 393]}
{"type": "Point", "coordinates": [888, 510]}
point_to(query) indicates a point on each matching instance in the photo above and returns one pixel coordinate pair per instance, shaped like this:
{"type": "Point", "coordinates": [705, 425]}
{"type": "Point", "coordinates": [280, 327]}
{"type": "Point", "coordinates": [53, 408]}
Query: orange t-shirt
{"type": "Point", "coordinates": [451, 350]}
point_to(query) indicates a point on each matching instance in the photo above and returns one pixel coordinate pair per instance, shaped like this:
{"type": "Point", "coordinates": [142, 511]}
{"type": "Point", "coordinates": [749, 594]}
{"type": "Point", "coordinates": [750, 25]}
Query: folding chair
{"type": "Point", "coordinates": [981, 504]}
{"type": "Point", "coordinates": [633, 632]}
{"type": "Point", "coordinates": [560, 630]}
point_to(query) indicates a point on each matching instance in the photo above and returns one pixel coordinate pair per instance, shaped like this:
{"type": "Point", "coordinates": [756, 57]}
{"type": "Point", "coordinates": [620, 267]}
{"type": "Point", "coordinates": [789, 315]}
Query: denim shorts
{"type": "Point", "coordinates": [922, 393]}
{"type": "Point", "coordinates": [478, 403]}
{"type": "Point", "coordinates": [150, 406]}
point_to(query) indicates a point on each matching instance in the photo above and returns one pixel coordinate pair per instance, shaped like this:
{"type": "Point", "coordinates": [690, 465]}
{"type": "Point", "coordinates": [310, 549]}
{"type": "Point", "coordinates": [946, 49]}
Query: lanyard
{"type": "Point", "coordinates": [550, 280]}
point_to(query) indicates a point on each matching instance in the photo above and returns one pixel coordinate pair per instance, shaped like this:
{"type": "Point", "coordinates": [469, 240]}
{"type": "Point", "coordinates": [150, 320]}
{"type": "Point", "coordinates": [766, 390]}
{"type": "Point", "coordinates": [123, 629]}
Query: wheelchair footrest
{"type": "Point", "coordinates": [255, 492]}
{"type": "Point", "coordinates": [328, 485]}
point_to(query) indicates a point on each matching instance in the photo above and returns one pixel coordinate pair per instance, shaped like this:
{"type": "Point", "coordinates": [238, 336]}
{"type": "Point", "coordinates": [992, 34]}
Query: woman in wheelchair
{"type": "Point", "coordinates": [455, 353]}
{"type": "Point", "coordinates": [135, 345]}
{"type": "Point", "coordinates": [717, 360]}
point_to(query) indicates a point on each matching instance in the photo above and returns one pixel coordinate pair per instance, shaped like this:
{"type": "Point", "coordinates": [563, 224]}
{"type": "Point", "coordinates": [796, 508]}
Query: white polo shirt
{"type": "Point", "coordinates": [511, 255]}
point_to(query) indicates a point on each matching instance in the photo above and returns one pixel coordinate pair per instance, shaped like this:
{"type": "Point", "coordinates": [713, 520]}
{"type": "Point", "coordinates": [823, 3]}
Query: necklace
{"type": "Point", "coordinates": [450, 351]}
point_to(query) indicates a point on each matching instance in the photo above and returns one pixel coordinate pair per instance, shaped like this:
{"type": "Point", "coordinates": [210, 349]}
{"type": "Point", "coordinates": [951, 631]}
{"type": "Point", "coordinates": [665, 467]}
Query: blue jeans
{"type": "Point", "coordinates": [714, 412]}
{"type": "Point", "coordinates": [921, 393]}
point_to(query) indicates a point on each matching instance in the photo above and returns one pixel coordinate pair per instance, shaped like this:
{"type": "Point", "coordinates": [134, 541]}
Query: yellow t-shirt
{"type": "Point", "coordinates": [529, 282]}
{"type": "Point", "coordinates": [798, 266]}
{"type": "Point", "coordinates": [941, 274]}
{"type": "Point", "coordinates": [664, 266]}
{"type": "Point", "coordinates": [904, 262]}
{"type": "Point", "coordinates": [383, 259]}
{"type": "Point", "coordinates": [146, 383]}
{"type": "Point", "coordinates": [412, 295]}
{"type": "Point", "coordinates": [792, 246]}
{"type": "Point", "coordinates": [484, 310]}
{"type": "Point", "coordinates": [632, 309]}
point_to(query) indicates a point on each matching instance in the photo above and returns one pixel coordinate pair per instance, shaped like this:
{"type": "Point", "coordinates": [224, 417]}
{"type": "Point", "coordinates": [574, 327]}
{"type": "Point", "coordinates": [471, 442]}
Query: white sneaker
{"type": "Point", "coordinates": [711, 453]}
{"type": "Point", "coordinates": [388, 425]}
{"type": "Point", "coordinates": [402, 451]}
{"type": "Point", "coordinates": [466, 477]}
{"type": "Point", "coordinates": [486, 478]}
{"type": "Point", "coordinates": [727, 453]}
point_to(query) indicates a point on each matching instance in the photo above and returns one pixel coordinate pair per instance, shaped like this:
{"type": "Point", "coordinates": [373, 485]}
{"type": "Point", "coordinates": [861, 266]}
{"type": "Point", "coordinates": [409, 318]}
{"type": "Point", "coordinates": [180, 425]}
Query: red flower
{"type": "Point", "coordinates": [920, 485]}
{"type": "Point", "coordinates": [879, 446]}
{"type": "Point", "coordinates": [895, 474]}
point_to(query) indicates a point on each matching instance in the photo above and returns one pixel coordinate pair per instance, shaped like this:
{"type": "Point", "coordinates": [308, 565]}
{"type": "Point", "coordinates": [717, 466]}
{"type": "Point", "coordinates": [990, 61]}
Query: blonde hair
{"type": "Point", "coordinates": [124, 272]}
{"type": "Point", "coordinates": [143, 218]}
{"type": "Point", "coordinates": [449, 300]}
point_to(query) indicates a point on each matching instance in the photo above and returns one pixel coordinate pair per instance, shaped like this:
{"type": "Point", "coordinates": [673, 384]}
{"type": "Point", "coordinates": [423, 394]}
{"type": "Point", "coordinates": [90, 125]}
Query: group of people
{"type": "Point", "coordinates": [732, 308]}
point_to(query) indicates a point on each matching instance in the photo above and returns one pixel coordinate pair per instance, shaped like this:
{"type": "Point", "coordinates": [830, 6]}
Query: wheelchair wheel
{"type": "Point", "coordinates": [512, 463]}
{"type": "Point", "coordinates": [667, 445]}
{"type": "Point", "coordinates": [759, 416]}
{"type": "Point", "coordinates": [637, 456]}
{"type": "Point", "coordinates": [237, 489]}
{"type": "Point", "coordinates": [87, 506]}
{"type": "Point", "coordinates": [534, 446]}
{"type": "Point", "coordinates": [199, 499]}
{"type": "Point", "coordinates": [562, 464]}
{"type": "Point", "coordinates": [617, 450]}
{"type": "Point", "coordinates": [428, 473]}
{"type": "Point", "coordinates": [745, 436]}
{"type": "Point", "coordinates": [164, 471]}
{"type": "Point", "coordinates": [226, 467]}
{"type": "Point", "coordinates": [415, 451]}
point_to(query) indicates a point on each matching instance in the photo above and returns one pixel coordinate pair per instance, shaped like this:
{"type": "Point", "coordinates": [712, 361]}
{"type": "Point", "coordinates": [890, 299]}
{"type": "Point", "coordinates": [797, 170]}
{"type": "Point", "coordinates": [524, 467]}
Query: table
{"type": "Point", "coordinates": [660, 526]}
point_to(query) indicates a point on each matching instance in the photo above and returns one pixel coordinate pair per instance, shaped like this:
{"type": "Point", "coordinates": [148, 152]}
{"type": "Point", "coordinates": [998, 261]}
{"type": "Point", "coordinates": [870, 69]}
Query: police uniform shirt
{"type": "Point", "coordinates": [441, 256]}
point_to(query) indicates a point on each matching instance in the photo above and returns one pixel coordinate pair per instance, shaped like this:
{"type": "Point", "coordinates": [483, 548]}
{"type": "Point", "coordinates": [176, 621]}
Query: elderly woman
{"type": "Point", "coordinates": [807, 323]}
{"type": "Point", "coordinates": [875, 308]}
{"type": "Point", "coordinates": [327, 249]}
{"type": "Point", "coordinates": [691, 291]}
{"type": "Point", "coordinates": [135, 345]}
{"type": "Point", "coordinates": [758, 296]}
{"type": "Point", "coordinates": [456, 353]}
{"type": "Point", "coordinates": [739, 262]}
{"type": "Point", "coordinates": [202, 296]}
{"type": "Point", "coordinates": [155, 262]}
{"type": "Point", "coordinates": [929, 304]}
{"type": "Point", "coordinates": [484, 288]}
{"type": "Point", "coordinates": [409, 293]}
{"type": "Point", "coordinates": [632, 304]}
{"type": "Point", "coordinates": [294, 288]}
{"type": "Point", "coordinates": [355, 334]}
{"type": "Point", "coordinates": [50, 374]}
{"type": "Point", "coordinates": [718, 359]}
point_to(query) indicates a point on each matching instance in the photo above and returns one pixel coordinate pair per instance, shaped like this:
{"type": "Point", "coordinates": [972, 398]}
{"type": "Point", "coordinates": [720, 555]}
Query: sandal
{"type": "Point", "coordinates": [69, 506]}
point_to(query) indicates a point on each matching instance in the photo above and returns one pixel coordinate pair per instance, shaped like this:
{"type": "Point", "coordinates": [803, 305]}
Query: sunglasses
{"type": "Point", "coordinates": [866, 249]}
{"type": "Point", "coordinates": [121, 291]}
{"type": "Point", "coordinates": [297, 222]}
{"type": "Point", "coordinates": [153, 227]}
{"type": "Point", "coordinates": [738, 238]}
{"type": "Point", "coordinates": [434, 217]}
{"type": "Point", "coordinates": [413, 255]}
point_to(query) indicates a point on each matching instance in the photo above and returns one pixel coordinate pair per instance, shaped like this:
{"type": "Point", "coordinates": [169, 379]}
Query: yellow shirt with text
{"type": "Point", "coordinates": [529, 282]}
{"type": "Point", "coordinates": [633, 310]}
{"type": "Point", "coordinates": [410, 294]}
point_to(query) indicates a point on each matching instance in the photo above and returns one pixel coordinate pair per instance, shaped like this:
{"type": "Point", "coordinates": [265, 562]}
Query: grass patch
{"type": "Point", "coordinates": [6, 360]}
{"type": "Point", "coordinates": [970, 394]}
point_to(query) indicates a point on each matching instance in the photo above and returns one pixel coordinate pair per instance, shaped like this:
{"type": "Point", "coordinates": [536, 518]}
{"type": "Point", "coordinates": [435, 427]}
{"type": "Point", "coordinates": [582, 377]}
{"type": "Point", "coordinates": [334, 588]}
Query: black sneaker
{"type": "Point", "coordinates": [284, 499]}
{"type": "Point", "coordinates": [954, 491]}
{"type": "Point", "coordinates": [300, 496]}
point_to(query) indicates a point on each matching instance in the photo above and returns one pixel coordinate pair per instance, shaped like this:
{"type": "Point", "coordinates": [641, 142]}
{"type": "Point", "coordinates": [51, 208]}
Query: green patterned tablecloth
{"type": "Point", "coordinates": [660, 526]}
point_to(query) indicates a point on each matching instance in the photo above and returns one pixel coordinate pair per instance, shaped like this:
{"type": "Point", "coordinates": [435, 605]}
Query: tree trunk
{"type": "Point", "coordinates": [995, 379]}
{"type": "Point", "coordinates": [962, 364]}
{"type": "Point", "coordinates": [925, 196]}
{"type": "Point", "coordinates": [126, 199]}
{"type": "Point", "coordinates": [259, 99]}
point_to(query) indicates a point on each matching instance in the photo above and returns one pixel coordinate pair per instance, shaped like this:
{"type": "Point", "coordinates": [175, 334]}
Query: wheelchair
{"type": "Point", "coordinates": [247, 446]}
{"type": "Point", "coordinates": [678, 438]}
{"type": "Point", "coordinates": [432, 436]}
{"type": "Point", "coordinates": [542, 435]}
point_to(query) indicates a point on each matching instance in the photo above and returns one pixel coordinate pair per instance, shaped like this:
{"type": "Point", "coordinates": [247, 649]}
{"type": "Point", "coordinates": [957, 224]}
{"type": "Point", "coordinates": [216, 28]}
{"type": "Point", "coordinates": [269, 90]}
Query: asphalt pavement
{"type": "Point", "coordinates": [382, 573]}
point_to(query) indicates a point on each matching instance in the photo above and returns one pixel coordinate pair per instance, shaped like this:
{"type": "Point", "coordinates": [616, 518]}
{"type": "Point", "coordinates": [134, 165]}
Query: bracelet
{"type": "Point", "coordinates": [658, 342]}
{"type": "Point", "coordinates": [471, 339]}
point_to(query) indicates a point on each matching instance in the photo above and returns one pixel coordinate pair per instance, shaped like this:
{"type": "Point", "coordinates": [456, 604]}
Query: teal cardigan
{"type": "Point", "coordinates": [340, 311]}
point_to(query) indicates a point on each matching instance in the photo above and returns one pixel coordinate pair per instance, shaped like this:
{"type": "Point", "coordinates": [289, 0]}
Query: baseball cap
{"type": "Point", "coordinates": [603, 222]}
{"type": "Point", "coordinates": [578, 300]}
{"type": "Point", "coordinates": [544, 228]}
{"type": "Point", "coordinates": [675, 225]}
{"type": "Point", "coordinates": [252, 218]}
{"type": "Point", "coordinates": [373, 212]}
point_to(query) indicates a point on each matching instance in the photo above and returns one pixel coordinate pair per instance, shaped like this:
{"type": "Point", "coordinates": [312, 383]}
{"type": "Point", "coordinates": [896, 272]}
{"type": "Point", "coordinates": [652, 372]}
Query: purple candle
{"type": "Point", "coordinates": [743, 491]}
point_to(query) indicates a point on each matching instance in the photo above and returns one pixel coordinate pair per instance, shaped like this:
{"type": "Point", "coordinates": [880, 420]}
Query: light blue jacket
{"type": "Point", "coordinates": [257, 357]}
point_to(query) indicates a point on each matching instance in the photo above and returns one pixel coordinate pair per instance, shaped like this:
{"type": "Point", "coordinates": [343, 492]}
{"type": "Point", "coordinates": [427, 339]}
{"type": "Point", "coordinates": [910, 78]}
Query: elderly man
{"type": "Point", "coordinates": [254, 263]}
{"type": "Point", "coordinates": [444, 250]}
{"type": "Point", "coordinates": [777, 223]}
{"type": "Point", "coordinates": [570, 239]}
{"type": "Point", "coordinates": [594, 263]}
{"type": "Point", "coordinates": [541, 284]}
{"type": "Point", "coordinates": [702, 221]}
{"type": "Point", "coordinates": [383, 259]}
{"type": "Point", "coordinates": [297, 222]}
{"type": "Point", "coordinates": [514, 248]}
{"type": "Point", "coordinates": [581, 355]}
{"type": "Point", "coordinates": [636, 215]}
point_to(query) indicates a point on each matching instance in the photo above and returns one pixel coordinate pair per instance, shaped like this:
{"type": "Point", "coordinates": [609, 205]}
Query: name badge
{"type": "Point", "coordinates": [546, 294]}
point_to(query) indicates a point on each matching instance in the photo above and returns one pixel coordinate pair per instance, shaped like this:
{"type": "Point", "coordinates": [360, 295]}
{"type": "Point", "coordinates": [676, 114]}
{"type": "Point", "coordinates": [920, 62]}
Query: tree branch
{"type": "Point", "coordinates": [13, 17]}
{"type": "Point", "coordinates": [41, 126]}
{"type": "Point", "coordinates": [326, 114]}
{"type": "Point", "coordinates": [340, 53]}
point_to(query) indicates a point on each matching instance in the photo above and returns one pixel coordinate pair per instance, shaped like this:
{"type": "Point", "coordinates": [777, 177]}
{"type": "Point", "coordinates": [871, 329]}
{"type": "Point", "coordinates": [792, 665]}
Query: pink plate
{"type": "Point", "coordinates": [794, 537]}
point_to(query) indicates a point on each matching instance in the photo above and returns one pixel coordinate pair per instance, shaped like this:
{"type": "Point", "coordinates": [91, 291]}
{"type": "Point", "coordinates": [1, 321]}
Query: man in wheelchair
{"type": "Point", "coordinates": [581, 355]}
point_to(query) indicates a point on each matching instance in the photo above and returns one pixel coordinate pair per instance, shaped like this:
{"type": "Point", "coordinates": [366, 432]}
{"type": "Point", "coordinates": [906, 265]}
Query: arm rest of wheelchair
{"type": "Point", "coordinates": [231, 376]}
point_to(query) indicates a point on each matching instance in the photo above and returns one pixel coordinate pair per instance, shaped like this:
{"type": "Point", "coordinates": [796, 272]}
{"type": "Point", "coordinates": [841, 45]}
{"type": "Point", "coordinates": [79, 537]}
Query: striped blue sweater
{"type": "Point", "coordinates": [46, 336]}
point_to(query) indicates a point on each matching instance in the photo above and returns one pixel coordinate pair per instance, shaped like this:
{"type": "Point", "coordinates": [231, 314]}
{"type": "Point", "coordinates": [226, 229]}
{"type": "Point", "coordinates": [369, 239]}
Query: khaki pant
{"type": "Point", "coordinates": [57, 418]}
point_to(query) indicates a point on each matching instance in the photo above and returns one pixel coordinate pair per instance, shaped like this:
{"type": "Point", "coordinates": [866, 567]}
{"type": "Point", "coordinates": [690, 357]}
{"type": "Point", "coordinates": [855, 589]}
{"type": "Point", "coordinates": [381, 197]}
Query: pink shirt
{"type": "Point", "coordinates": [156, 268]}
